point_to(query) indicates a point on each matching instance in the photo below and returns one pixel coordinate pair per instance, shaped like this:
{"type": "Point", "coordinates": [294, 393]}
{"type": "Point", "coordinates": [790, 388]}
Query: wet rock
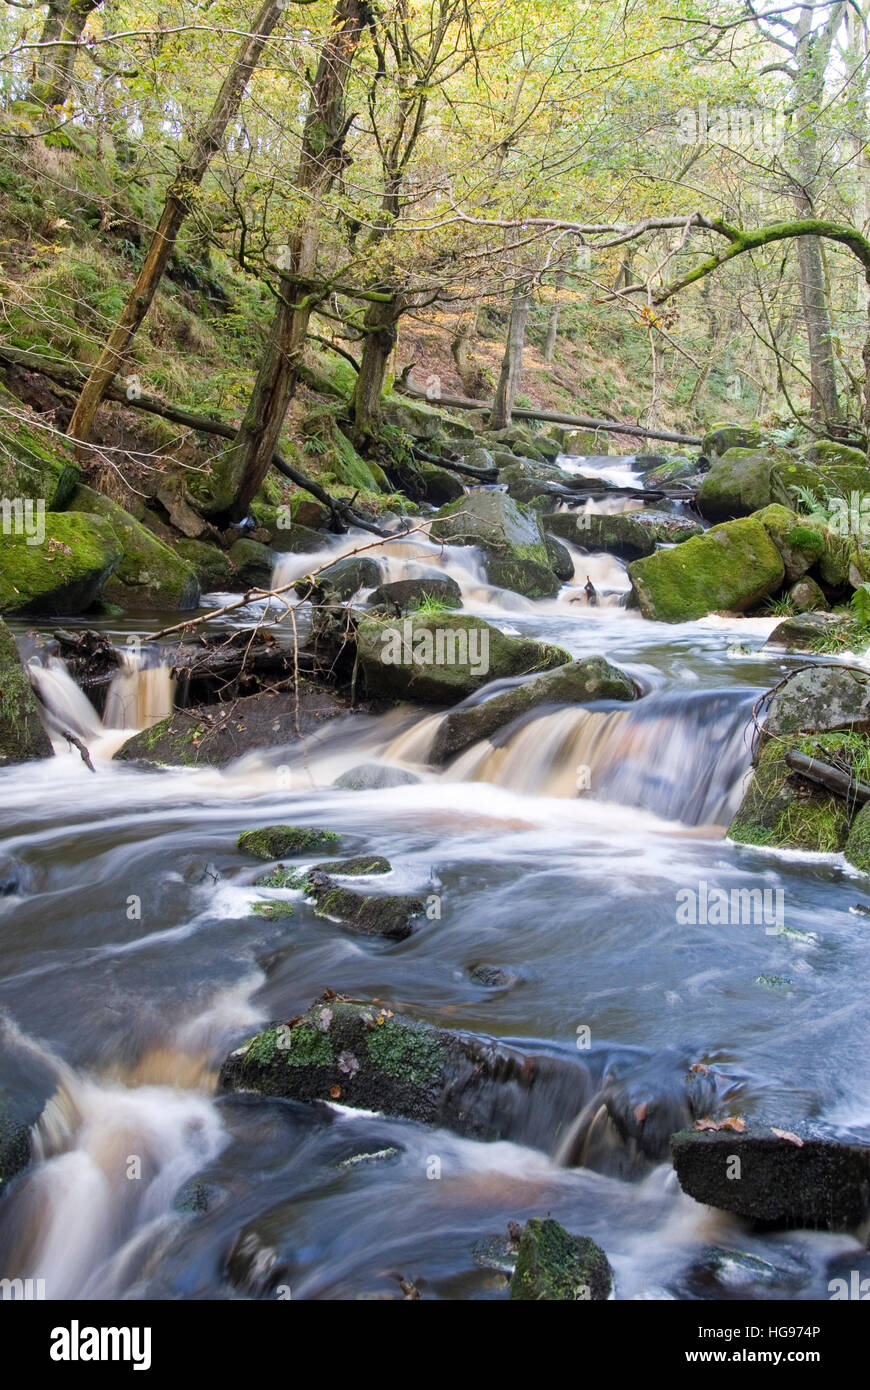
{"type": "Point", "coordinates": [150, 576]}
{"type": "Point", "coordinates": [276, 841]}
{"type": "Point", "coordinates": [719, 1273]}
{"type": "Point", "coordinates": [444, 657]}
{"type": "Point", "coordinates": [579, 682]}
{"type": "Point", "coordinates": [22, 737]}
{"type": "Point", "coordinates": [512, 542]}
{"type": "Point", "coordinates": [807, 597]}
{"type": "Point", "coordinates": [209, 562]}
{"type": "Point", "coordinates": [253, 564]}
{"type": "Point", "coordinates": [818, 1183]}
{"type": "Point", "coordinates": [559, 559]}
{"type": "Point", "coordinates": [629, 535]}
{"type": "Point", "coordinates": [782, 810]}
{"type": "Point", "coordinates": [343, 579]}
{"type": "Point", "coordinates": [439, 485]}
{"type": "Point", "coordinates": [213, 735]}
{"type": "Point", "coordinates": [729, 568]}
{"type": "Point", "coordinates": [407, 594]}
{"type": "Point", "coordinates": [554, 1265]}
{"type": "Point", "coordinates": [390, 917]}
{"type": "Point", "coordinates": [740, 482]}
{"type": "Point", "coordinates": [374, 777]}
{"type": "Point", "coordinates": [360, 866]}
{"type": "Point", "coordinates": [65, 573]}
{"type": "Point", "coordinates": [493, 977]}
{"type": "Point", "coordinates": [799, 545]}
{"type": "Point", "coordinates": [803, 633]}
{"type": "Point", "coordinates": [821, 699]}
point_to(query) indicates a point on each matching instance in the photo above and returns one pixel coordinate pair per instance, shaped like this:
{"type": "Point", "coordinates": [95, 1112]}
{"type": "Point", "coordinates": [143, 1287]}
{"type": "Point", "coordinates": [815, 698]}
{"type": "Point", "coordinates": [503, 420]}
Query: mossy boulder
{"type": "Point", "coordinates": [22, 737]}
{"type": "Point", "coordinates": [384, 915]}
{"type": "Point", "coordinates": [66, 573]}
{"type": "Point", "coordinates": [782, 810]}
{"type": "Point", "coordinates": [817, 1183]}
{"type": "Point", "coordinates": [276, 841]}
{"type": "Point", "coordinates": [820, 699]}
{"type": "Point", "coordinates": [209, 563]}
{"type": "Point", "coordinates": [34, 464]}
{"type": "Point", "coordinates": [729, 568]}
{"type": "Point", "coordinates": [583, 443]}
{"type": "Point", "coordinates": [857, 849]}
{"type": "Point", "coordinates": [252, 564]}
{"type": "Point", "coordinates": [559, 559]}
{"type": "Point", "coordinates": [444, 657]}
{"type": "Point", "coordinates": [338, 456]}
{"type": "Point", "coordinates": [800, 546]}
{"type": "Point", "coordinates": [513, 545]}
{"type": "Point", "coordinates": [339, 582]}
{"type": "Point", "coordinates": [150, 576]}
{"type": "Point", "coordinates": [806, 632]}
{"type": "Point", "coordinates": [407, 594]}
{"type": "Point", "coordinates": [630, 535]}
{"type": "Point", "coordinates": [739, 482]}
{"type": "Point", "coordinates": [579, 682]}
{"type": "Point", "coordinates": [421, 421]}
{"type": "Point", "coordinates": [438, 484]}
{"type": "Point", "coordinates": [553, 1265]}
{"type": "Point", "coordinates": [718, 440]}
{"type": "Point", "coordinates": [825, 468]}
{"type": "Point", "coordinates": [806, 596]}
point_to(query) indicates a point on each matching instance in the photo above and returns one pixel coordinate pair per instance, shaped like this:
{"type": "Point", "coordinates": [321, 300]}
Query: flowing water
{"type": "Point", "coordinates": [131, 965]}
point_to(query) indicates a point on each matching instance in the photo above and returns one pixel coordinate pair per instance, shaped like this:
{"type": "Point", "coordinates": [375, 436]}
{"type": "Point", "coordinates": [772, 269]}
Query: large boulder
{"type": "Point", "coordinates": [824, 468]}
{"type": "Point", "coordinates": [443, 657]}
{"type": "Point", "coordinates": [629, 535]}
{"type": "Point", "coordinates": [790, 1178]}
{"type": "Point", "coordinates": [513, 545]}
{"type": "Point", "coordinates": [252, 563]}
{"type": "Point", "coordinates": [739, 483]}
{"type": "Point", "coordinates": [22, 736]}
{"type": "Point", "coordinates": [821, 699]}
{"type": "Point", "coordinates": [406, 594]}
{"type": "Point", "coordinates": [150, 576]}
{"type": "Point", "coordinates": [806, 632]}
{"type": "Point", "coordinates": [729, 568]}
{"type": "Point", "coordinates": [553, 1265]}
{"type": "Point", "coordinates": [799, 545]}
{"type": "Point", "coordinates": [718, 440]}
{"type": "Point", "coordinates": [65, 573]}
{"type": "Point", "coordinates": [579, 682]}
{"type": "Point", "coordinates": [210, 564]}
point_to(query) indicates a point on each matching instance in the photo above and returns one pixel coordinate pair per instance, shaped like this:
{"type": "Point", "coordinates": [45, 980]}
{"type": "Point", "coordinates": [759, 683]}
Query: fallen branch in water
{"type": "Point", "coordinates": [77, 743]}
{"type": "Point", "coordinates": [831, 778]}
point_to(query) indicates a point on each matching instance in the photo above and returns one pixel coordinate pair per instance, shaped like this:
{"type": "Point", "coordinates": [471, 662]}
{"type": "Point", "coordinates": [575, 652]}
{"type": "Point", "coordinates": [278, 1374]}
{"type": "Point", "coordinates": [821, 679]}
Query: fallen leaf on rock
{"type": "Point", "coordinates": [731, 1122]}
{"type": "Point", "coordinates": [700, 1067]}
{"type": "Point", "coordinates": [335, 1092]}
{"type": "Point", "coordinates": [787, 1134]}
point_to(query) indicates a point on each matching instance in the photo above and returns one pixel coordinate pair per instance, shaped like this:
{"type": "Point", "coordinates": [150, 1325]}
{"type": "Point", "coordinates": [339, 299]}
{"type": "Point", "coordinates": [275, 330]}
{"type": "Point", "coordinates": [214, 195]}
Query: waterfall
{"type": "Point", "coordinates": [142, 692]}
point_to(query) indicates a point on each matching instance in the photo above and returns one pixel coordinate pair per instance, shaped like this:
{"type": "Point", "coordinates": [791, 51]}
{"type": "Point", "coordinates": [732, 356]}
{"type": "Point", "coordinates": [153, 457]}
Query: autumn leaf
{"type": "Point", "coordinates": [787, 1134]}
{"type": "Point", "coordinates": [335, 1092]}
{"type": "Point", "coordinates": [733, 1122]}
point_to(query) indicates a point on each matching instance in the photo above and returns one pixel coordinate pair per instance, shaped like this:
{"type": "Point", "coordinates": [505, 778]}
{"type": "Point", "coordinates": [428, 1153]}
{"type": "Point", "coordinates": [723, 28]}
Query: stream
{"type": "Point", "coordinates": [131, 965]}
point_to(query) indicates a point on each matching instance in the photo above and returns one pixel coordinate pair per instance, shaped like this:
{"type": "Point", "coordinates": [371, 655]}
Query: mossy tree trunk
{"type": "Point", "coordinates": [381, 328]}
{"type": "Point", "coordinates": [59, 40]}
{"type": "Point", "coordinates": [320, 161]}
{"type": "Point", "coordinates": [512, 362]}
{"type": "Point", "coordinates": [179, 200]}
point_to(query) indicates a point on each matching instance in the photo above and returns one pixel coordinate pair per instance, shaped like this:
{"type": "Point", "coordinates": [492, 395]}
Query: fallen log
{"type": "Point", "coordinates": [555, 417]}
{"type": "Point", "coordinates": [831, 778]}
{"type": "Point", "coordinates": [73, 376]}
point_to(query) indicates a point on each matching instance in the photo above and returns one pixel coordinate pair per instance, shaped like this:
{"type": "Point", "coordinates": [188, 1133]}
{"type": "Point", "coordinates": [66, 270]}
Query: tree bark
{"type": "Point", "coordinates": [176, 207]}
{"type": "Point", "coordinates": [321, 159]}
{"type": "Point", "coordinates": [381, 325]}
{"type": "Point", "coordinates": [512, 362]}
{"type": "Point", "coordinates": [553, 322]}
{"type": "Point", "coordinates": [64, 26]}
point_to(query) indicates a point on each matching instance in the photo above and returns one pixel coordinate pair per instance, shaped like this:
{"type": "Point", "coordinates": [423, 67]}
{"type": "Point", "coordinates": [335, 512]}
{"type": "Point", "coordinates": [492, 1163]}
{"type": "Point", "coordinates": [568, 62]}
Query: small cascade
{"type": "Point", "coordinates": [682, 755]}
{"type": "Point", "coordinates": [65, 707]}
{"type": "Point", "coordinates": [142, 692]}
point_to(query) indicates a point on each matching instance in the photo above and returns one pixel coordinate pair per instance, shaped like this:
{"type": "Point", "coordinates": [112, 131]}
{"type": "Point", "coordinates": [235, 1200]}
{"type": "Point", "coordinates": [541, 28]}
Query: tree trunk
{"type": "Point", "coordinates": [824, 396]}
{"type": "Point", "coordinates": [321, 159]}
{"type": "Point", "coordinates": [381, 324]}
{"type": "Point", "coordinates": [553, 322]}
{"type": "Point", "coordinates": [64, 25]}
{"type": "Point", "coordinates": [178, 202]}
{"type": "Point", "coordinates": [512, 362]}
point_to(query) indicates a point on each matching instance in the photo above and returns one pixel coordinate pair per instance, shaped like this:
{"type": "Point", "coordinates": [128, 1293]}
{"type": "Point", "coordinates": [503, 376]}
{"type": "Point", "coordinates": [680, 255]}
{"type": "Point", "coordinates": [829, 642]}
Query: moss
{"type": "Point", "coordinates": [406, 1053]}
{"type": "Point", "coordinates": [857, 849]}
{"type": "Point", "coordinates": [730, 567]}
{"type": "Point", "coordinates": [363, 864]}
{"type": "Point", "coordinates": [34, 464]}
{"type": "Point", "coordinates": [302, 1046]}
{"type": "Point", "coordinates": [65, 573]}
{"type": "Point", "coordinates": [553, 1265]}
{"type": "Point", "coordinates": [806, 538]}
{"type": "Point", "coordinates": [280, 877]}
{"type": "Point", "coordinates": [389, 917]}
{"type": "Point", "coordinates": [272, 911]}
{"type": "Point", "coordinates": [781, 810]}
{"type": "Point", "coordinates": [274, 841]}
{"type": "Point", "coordinates": [150, 576]}
{"type": "Point", "coordinates": [210, 564]}
{"type": "Point", "coordinates": [22, 736]}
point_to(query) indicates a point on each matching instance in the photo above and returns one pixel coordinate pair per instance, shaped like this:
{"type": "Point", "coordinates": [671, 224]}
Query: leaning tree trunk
{"type": "Point", "coordinates": [512, 362]}
{"type": "Point", "coordinates": [176, 207]}
{"type": "Point", "coordinates": [321, 158]}
{"type": "Point", "coordinates": [381, 330]}
{"type": "Point", "coordinates": [61, 33]}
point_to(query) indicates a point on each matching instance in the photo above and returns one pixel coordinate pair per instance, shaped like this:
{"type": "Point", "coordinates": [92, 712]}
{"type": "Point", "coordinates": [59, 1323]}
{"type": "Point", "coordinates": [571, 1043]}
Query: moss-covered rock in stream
{"type": "Point", "coordinates": [209, 563]}
{"type": "Point", "coordinates": [739, 482]}
{"type": "Point", "coordinates": [820, 699]}
{"type": "Point", "coordinates": [816, 1183]}
{"type": "Point", "coordinates": [34, 464]}
{"type": "Point", "coordinates": [630, 535]}
{"type": "Point", "coordinates": [729, 568]}
{"type": "Point", "coordinates": [64, 574]}
{"type": "Point", "coordinates": [799, 545]}
{"type": "Point", "coordinates": [806, 632]}
{"type": "Point", "coordinates": [857, 849]}
{"type": "Point", "coordinates": [277, 841]}
{"type": "Point", "coordinates": [150, 576]}
{"type": "Point", "coordinates": [443, 657]}
{"type": "Point", "coordinates": [782, 810]}
{"type": "Point", "coordinates": [553, 1265]}
{"type": "Point", "coordinates": [513, 545]}
{"type": "Point", "coordinates": [720, 438]}
{"type": "Point", "coordinates": [405, 595]}
{"type": "Point", "coordinates": [579, 682]}
{"type": "Point", "coordinates": [252, 562]}
{"type": "Point", "coordinates": [387, 916]}
{"type": "Point", "coordinates": [22, 736]}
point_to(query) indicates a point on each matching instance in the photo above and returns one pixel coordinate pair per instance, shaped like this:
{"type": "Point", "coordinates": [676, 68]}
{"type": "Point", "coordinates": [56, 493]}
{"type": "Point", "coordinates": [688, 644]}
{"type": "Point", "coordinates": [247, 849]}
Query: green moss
{"type": "Point", "coordinates": [730, 567]}
{"type": "Point", "coordinates": [302, 1046]}
{"type": "Point", "coordinates": [150, 576]}
{"type": "Point", "coordinates": [406, 1053]}
{"type": "Point", "coordinates": [858, 844]}
{"type": "Point", "coordinates": [553, 1265]}
{"type": "Point", "coordinates": [274, 841]}
{"type": "Point", "coordinates": [781, 810]}
{"type": "Point", "coordinates": [280, 877]}
{"type": "Point", "coordinates": [272, 910]}
{"type": "Point", "coordinates": [63, 574]}
{"type": "Point", "coordinates": [806, 538]}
